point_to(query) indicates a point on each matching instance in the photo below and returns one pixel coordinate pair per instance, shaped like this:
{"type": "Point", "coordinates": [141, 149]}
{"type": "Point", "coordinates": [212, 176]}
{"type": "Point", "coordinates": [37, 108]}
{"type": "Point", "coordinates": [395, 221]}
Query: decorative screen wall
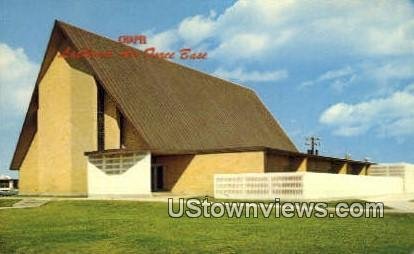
{"type": "Point", "coordinates": [303, 185]}
{"type": "Point", "coordinates": [258, 185]}
{"type": "Point", "coordinates": [115, 164]}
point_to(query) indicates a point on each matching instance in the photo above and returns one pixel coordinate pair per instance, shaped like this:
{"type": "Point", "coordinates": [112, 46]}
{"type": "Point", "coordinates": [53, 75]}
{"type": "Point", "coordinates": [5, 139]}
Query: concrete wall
{"type": "Point", "coordinates": [55, 163]}
{"type": "Point", "coordinates": [303, 186]}
{"type": "Point", "coordinates": [136, 181]}
{"type": "Point", "coordinates": [193, 174]}
{"type": "Point", "coordinates": [409, 178]}
{"type": "Point", "coordinates": [405, 171]}
{"type": "Point", "coordinates": [349, 186]}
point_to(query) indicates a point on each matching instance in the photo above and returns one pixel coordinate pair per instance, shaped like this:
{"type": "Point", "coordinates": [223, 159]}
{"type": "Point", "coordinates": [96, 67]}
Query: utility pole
{"type": "Point", "coordinates": [313, 142]}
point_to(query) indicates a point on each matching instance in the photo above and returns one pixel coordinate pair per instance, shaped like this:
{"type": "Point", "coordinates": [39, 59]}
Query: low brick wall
{"type": "Point", "coordinates": [302, 185]}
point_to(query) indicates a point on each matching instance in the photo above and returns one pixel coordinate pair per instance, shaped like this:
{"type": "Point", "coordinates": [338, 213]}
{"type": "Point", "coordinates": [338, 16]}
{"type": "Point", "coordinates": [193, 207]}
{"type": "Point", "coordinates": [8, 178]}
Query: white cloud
{"type": "Point", "coordinates": [333, 74]}
{"type": "Point", "coordinates": [189, 32]}
{"type": "Point", "coordinates": [242, 46]}
{"type": "Point", "coordinates": [383, 73]}
{"type": "Point", "coordinates": [388, 76]}
{"type": "Point", "coordinates": [338, 79]}
{"type": "Point", "coordinates": [256, 76]}
{"type": "Point", "coordinates": [266, 27]}
{"type": "Point", "coordinates": [196, 28]}
{"type": "Point", "coordinates": [384, 76]}
{"type": "Point", "coordinates": [340, 84]}
{"type": "Point", "coordinates": [164, 41]}
{"type": "Point", "coordinates": [389, 116]}
{"type": "Point", "coordinates": [17, 78]}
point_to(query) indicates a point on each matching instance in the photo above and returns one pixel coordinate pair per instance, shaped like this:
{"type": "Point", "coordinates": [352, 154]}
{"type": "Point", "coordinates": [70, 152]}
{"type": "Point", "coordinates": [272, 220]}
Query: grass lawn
{"type": "Point", "coordinates": [140, 227]}
{"type": "Point", "coordinates": [8, 202]}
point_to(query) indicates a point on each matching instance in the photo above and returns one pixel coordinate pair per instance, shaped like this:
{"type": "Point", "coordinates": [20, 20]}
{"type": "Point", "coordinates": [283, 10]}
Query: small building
{"type": "Point", "coordinates": [131, 126]}
{"type": "Point", "coordinates": [7, 183]}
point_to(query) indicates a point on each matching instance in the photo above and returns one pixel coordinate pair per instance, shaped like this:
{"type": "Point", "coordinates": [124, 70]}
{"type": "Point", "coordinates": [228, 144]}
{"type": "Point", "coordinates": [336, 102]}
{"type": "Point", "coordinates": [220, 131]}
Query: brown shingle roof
{"type": "Point", "coordinates": [174, 107]}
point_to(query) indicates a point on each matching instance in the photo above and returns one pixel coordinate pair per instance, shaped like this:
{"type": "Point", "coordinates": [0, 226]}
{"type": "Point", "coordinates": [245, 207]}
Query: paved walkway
{"type": "Point", "coordinates": [399, 202]}
{"type": "Point", "coordinates": [28, 203]}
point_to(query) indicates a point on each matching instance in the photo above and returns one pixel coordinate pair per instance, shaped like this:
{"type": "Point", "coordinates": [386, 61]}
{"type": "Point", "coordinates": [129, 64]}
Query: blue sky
{"type": "Point", "coordinates": [341, 70]}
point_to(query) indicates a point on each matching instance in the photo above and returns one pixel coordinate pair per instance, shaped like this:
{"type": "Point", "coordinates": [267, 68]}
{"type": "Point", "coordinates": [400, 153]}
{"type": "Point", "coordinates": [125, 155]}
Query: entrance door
{"type": "Point", "coordinates": [157, 177]}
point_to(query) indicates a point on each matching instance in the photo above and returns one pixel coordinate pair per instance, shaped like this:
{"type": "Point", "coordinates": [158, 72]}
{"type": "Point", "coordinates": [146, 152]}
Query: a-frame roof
{"type": "Point", "coordinates": [172, 107]}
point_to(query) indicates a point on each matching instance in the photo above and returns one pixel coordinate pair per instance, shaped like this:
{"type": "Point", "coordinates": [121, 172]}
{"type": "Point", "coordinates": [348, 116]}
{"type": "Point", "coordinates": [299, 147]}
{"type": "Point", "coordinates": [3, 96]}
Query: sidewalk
{"type": "Point", "coordinates": [399, 202]}
{"type": "Point", "coordinates": [28, 203]}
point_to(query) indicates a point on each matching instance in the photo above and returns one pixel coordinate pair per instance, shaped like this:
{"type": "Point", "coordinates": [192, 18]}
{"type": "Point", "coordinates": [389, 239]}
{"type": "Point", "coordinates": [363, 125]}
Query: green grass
{"type": "Point", "coordinates": [5, 202]}
{"type": "Point", "coordinates": [141, 227]}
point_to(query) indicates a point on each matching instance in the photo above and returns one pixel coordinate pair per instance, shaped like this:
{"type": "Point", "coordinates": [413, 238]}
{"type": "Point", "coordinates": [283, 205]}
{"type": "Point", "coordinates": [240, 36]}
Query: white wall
{"type": "Point", "coordinates": [403, 170]}
{"type": "Point", "coordinates": [409, 179]}
{"type": "Point", "coordinates": [303, 185]}
{"type": "Point", "coordinates": [136, 181]}
{"type": "Point", "coordinates": [322, 185]}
